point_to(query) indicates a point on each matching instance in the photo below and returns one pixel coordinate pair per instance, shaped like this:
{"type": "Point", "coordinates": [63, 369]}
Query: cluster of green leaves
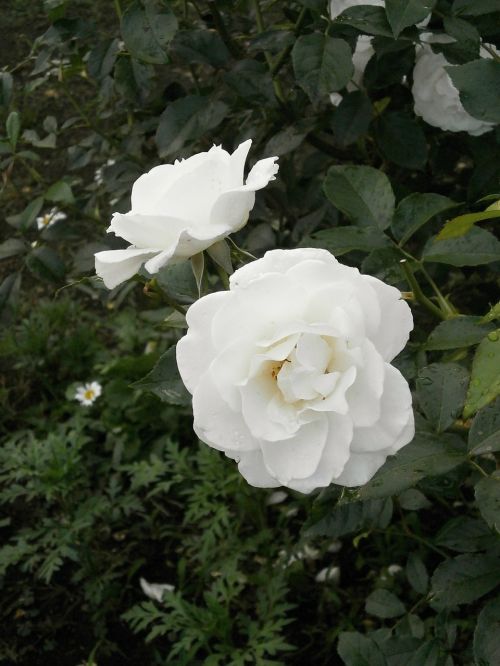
{"type": "Point", "coordinates": [92, 500]}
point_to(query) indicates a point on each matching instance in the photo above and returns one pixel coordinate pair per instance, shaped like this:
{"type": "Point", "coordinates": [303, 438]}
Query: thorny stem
{"type": "Point", "coordinates": [286, 51]}
{"type": "Point", "coordinates": [446, 307]}
{"type": "Point", "coordinates": [478, 467]}
{"type": "Point", "coordinates": [118, 10]}
{"type": "Point", "coordinates": [412, 535]}
{"type": "Point", "coordinates": [418, 293]}
{"type": "Point", "coordinates": [278, 90]}
{"type": "Point", "coordinates": [222, 30]}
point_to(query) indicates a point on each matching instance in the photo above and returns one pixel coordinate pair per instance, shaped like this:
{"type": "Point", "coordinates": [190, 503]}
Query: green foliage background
{"type": "Point", "coordinates": [92, 94]}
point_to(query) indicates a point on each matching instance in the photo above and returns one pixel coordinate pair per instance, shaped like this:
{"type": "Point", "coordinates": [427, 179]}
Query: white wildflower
{"type": "Point", "coordinates": [48, 219]}
{"type": "Point", "coordinates": [87, 394]}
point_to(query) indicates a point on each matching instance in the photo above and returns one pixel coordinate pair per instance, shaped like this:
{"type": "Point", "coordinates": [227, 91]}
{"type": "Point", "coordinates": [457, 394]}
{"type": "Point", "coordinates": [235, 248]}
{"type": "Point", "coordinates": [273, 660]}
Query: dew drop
{"type": "Point", "coordinates": [493, 336]}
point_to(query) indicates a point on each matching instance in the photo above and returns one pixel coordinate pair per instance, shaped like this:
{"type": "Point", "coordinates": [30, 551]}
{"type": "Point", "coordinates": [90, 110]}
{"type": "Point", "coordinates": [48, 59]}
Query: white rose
{"type": "Point", "coordinates": [290, 371]}
{"type": "Point", "coordinates": [183, 208]}
{"type": "Point", "coordinates": [436, 99]}
{"type": "Point", "coordinates": [362, 54]}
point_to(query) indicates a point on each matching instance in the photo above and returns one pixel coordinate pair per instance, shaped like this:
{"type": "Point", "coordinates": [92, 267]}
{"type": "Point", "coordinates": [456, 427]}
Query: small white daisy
{"type": "Point", "coordinates": [155, 591]}
{"type": "Point", "coordinates": [88, 393]}
{"type": "Point", "coordinates": [50, 218]}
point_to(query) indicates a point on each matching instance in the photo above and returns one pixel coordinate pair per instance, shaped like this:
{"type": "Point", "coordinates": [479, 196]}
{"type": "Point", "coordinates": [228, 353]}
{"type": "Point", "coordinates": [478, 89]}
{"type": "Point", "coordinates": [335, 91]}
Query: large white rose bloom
{"type": "Point", "coordinates": [183, 208]}
{"type": "Point", "coordinates": [436, 99]}
{"type": "Point", "coordinates": [290, 371]}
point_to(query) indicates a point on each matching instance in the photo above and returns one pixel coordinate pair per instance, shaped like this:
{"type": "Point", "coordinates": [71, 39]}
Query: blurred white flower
{"type": "Point", "coordinates": [335, 547]}
{"type": "Point", "coordinates": [290, 371]}
{"type": "Point", "coordinates": [181, 209]}
{"type": "Point", "coordinates": [327, 574]}
{"type": "Point", "coordinates": [87, 394]}
{"type": "Point", "coordinates": [277, 497]}
{"type": "Point", "coordinates": [394, 569]}
{"type": "Point", "coordinates": [155, 591]}
{"type": "Point", "coordinates": [305, 553]}
{"type": "Point", "coordinates": [98, 175]}
{"type": "Point", "coordinates": [48, 219]}
{"type": "Point", "coordinates": [436, 99]}
{"type": "Point", "coordinates": [362, 54]}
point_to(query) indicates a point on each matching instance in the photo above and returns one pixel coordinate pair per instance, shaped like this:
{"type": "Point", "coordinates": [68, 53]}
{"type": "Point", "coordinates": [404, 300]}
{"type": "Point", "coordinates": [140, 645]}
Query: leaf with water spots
{"type": "Point", "coordinates": [484, 385]}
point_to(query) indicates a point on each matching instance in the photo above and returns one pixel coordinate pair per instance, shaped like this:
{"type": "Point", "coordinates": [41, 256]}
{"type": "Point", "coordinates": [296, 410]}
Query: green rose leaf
{"type": "Point", "coordinates": [475, 248]}
{"type": "Point", "coordinates": [464, 535]}
{"type": "Point", "coordinates": [403, 13]}
{"type": "Point", "coordinates": [348, 517]}
{"type": "Point", "coordinates": [384, 604]}
{"type": "Point", "coordinates": [401, 140]}
{"type": "Point", "coordinates": [9, 295]}
{"type": "Point", "coordinates": [362, 193]}
{"type": "Point", "coordinates": [485, 376]}
{"type": "Point", "coordinates": [464, 579]}
{"type": "Point", "coordinates": [321, 64]}
{"type": "Point", "coordinates": [187, 119]}
{"type": "Point", "coordinates": [352, 118]}
{"type": "Point", "coordinates": [46, 264]}
{"type": "Point", "coordinates": [427, 454]}
{"type": "Point", "coordinates": [460, 225]}
{"type": "Point", "coordinates": [475, 7]}
{"type": "Point", "coordinates": [417, 573]}
{"type": "Point", "coordinates": [12, 247]}
{"type": "Point", "coordinates": [484, 434]}
{"type": "Point", "coordinates": [461, 331]}
{"type": "Point", "coordinates": [487, 493]}
{"type": "Point", "coordinates": [13, 127]}
{"type": "Point", "coordinates": [478, 83]}
{"type": "Point", "coordinates": [487, 635]}
{"type": "Point", "coordinates": [358, 650]}
{"type": "Point", "coordinates": [341, 240]}
{"type": "Point", "coordinates": [415, 210]}
{"type": "Point", "coordinates": [148, 27]}
{"type": "Point", "coordinates": [201, 46]}
{"type": "Point", "coordinates": [165, 382]}
{"type": "Point", "coordinates": [60, 192]}
{"type": "Point", "coordinates": [441, 391]}
{"type": "Point", "coordinates": [367, 19]}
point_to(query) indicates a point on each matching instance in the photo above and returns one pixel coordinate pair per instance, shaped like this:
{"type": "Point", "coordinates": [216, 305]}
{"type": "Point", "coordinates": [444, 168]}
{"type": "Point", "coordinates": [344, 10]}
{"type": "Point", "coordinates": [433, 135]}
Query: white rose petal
{"type": "Point", "coordinates": [155, 591]}
{"type": "Point", "coordinates": [328, 573]}
{"type": "Point", "coordinates": [290, 371]}
{"type": "Point", "coordinates": [435, 97]}
{"type": "Point", "coordinates": [181, 209]}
